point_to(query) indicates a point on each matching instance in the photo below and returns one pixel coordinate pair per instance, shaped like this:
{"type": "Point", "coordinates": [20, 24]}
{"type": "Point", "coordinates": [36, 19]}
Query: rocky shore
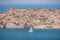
{"type": "Point", "coordinates": [37, 18]}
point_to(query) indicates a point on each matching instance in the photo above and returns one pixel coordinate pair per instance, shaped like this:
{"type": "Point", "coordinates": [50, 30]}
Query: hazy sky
{"type": "Point", "coordinates": [29, 1]}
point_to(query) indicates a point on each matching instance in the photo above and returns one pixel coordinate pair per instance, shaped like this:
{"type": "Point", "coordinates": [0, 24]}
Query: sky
{"type": "Point", "coordinates": [5, 4]}
{"type": "Point", "coordinates": [29, 1]}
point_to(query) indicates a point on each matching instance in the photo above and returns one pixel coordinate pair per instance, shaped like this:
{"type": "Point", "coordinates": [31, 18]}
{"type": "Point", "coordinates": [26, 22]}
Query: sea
{"type": "Point", "coordinates": [23, 34]}
{"type": "Point", "coordinates": [4, 7]}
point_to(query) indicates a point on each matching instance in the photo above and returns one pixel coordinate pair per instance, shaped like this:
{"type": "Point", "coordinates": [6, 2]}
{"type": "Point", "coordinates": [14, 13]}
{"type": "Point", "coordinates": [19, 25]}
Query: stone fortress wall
{"type": "Point", "coordinates": [38, 18]}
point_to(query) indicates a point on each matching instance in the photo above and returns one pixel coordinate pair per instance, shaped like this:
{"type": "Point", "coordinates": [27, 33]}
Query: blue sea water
{"type": "Point", "coordinates": [4, 7]}
{"type": "Point", "coordinates": [23, 34]}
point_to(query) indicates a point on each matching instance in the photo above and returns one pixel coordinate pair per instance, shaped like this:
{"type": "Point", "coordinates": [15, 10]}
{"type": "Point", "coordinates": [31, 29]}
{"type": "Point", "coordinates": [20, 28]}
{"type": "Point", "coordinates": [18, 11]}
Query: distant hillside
{"type": "Point", "coordinates": [38, 18]}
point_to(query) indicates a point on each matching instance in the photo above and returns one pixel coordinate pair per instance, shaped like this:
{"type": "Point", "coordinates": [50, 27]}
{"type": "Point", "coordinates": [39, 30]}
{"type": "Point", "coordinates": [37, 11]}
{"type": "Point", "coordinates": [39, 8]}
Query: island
{"type": "Point", "coordinates": [36, 18]}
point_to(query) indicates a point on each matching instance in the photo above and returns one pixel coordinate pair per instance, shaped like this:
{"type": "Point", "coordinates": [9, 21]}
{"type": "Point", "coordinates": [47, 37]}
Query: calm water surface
{"type": "Point", "coordinates": [23, 34]}
{"type": "Point", "coordinates": [4, 7]}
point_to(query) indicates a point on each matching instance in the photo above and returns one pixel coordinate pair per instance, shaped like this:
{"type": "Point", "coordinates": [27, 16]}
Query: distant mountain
{"type": "Point", "coordinates": [37, 18]}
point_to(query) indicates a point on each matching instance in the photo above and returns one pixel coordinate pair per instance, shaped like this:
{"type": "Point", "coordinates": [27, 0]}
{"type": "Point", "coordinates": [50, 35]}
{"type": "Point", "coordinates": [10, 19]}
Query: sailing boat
{"type": "Point", "coordinates": [30, 30]}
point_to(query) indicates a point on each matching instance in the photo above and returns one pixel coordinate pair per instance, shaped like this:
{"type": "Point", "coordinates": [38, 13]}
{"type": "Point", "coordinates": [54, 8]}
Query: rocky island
{"type": "Point", "coordinates": [37, 18]}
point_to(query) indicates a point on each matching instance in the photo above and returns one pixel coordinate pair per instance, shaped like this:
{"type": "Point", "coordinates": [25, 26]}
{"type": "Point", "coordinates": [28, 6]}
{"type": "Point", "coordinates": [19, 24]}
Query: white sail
{"type": "Point", "coordinates": [30, 30]}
